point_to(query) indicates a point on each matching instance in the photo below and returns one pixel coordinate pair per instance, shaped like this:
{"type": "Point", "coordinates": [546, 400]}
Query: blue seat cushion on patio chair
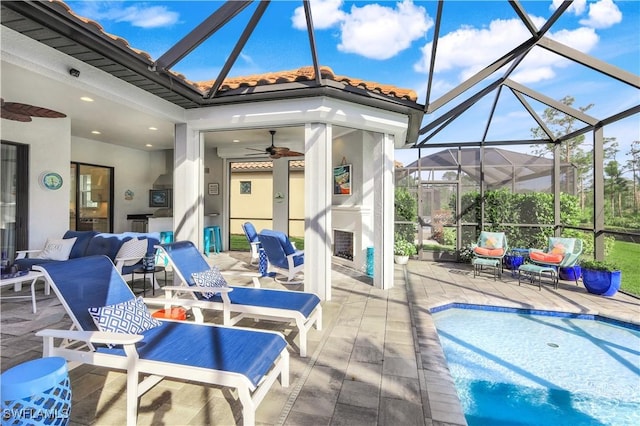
{"type": "Point", "coordinates": [304, 303]}
{"type": "Point", "coordinates": [278, 246]}
{"type": "Point", "coordinates": [218, 348]}
{"type": "Point", "coordinates": [250, 232]}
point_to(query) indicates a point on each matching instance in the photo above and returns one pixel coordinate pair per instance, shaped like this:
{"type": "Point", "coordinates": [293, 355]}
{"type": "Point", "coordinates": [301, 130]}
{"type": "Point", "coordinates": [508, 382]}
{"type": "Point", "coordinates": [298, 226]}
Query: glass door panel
{"type": "Point", "coordinates": [92, 204]}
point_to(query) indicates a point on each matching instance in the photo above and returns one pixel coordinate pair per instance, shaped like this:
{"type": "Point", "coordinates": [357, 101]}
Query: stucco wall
{"type": "Point", "coordinates": [49, 150]}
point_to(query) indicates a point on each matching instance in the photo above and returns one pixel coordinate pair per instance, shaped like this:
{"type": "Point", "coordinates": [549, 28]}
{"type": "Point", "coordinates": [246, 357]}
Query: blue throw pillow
{"type": "Point", "coordinates": [210, 278]}
{"type": "Point", "coordinates": [130, 317]}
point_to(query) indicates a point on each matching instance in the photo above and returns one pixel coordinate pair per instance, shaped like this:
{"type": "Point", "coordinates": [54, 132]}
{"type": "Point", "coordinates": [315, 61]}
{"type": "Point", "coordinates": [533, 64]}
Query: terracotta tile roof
{"type": "Point", "coordinates": [252, 166]}
{"type": "Point", "coordinates": [301, 74]}
{"type": "Point", "coordinates": [307, 74]}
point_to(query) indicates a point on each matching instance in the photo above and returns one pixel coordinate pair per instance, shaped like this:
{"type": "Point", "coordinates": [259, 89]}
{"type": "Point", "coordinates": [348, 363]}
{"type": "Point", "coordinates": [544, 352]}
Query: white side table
{"type": "Point", "coordinates": [30, 276]}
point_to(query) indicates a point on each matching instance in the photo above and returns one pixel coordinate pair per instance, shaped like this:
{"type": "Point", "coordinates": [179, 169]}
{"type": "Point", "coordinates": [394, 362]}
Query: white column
{"type": "Point", "coordinates": [281, 185]}
{"type": "Point", "coordinates": [317, 188]}
{"type": "Point", "coordinates": [188, 204]}
{"type": "Point", "coordinates": [383, 212]}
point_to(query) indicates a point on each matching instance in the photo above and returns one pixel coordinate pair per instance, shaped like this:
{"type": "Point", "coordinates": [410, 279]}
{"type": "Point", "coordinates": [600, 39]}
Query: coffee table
{"type": "Point", "coordinates": [32, 276]}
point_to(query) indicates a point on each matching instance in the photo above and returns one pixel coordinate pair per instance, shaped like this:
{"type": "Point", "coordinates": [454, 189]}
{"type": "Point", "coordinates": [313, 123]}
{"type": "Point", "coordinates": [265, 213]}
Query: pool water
{"type": "Point", "coordinates": [522, 369]}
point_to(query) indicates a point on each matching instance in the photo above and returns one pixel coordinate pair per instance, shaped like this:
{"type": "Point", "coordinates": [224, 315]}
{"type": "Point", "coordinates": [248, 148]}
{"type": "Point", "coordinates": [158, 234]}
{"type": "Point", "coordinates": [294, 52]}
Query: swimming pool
{"type": "Point", "coordinates": [516, 368]}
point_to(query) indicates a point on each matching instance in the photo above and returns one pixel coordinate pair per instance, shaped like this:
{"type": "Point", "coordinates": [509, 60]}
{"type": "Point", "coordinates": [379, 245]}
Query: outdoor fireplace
{"type": "Point", "coordinates": [343, 244]}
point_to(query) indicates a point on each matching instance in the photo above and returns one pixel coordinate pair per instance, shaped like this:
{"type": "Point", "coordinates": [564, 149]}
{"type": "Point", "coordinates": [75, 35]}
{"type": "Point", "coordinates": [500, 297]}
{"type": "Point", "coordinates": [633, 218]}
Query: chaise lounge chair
{"type": "Point", "coordinates": [260, 303]}
{"type": "Point", "coordinates": [247, 360]}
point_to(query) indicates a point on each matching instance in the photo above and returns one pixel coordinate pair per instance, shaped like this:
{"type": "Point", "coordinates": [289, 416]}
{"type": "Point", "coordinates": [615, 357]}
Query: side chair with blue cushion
{"type": "Point", "coordinates": [249, 361]}
{"type": "Point", "coordinates": [252, 238]}
{"type": "Point", "coordinates": [271, 304]}
{"type": "Point", "coordinates": [282, 255]}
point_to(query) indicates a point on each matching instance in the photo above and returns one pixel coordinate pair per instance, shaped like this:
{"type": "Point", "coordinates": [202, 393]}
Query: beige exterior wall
{"type": "Point", "coordinates": [257, 207]}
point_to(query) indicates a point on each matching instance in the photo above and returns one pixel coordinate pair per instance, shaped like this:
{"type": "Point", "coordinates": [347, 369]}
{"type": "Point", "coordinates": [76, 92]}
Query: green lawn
{"type": "Point", "coordinates": [240, 243]}
{"type": "Point", "coordinates": [627, 257]}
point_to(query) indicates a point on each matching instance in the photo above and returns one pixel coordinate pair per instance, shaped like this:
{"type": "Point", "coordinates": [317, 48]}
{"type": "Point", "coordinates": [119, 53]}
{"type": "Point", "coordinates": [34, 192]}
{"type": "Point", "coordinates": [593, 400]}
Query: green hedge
{"type": "Point", "coordinates": [503, 206]}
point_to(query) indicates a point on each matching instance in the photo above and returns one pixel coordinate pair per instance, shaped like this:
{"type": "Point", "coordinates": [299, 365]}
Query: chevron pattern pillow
{"type": "Point", "coordinates": [210, 278]}
{"type": "Point", "coordinates": [133, 248]}
{"type": "Point", "coordinates": [131, 317]}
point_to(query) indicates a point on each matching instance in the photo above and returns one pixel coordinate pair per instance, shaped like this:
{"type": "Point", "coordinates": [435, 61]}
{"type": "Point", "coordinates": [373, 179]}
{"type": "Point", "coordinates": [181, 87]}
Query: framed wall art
{"type": "Point", "coordinates": [342, 180]}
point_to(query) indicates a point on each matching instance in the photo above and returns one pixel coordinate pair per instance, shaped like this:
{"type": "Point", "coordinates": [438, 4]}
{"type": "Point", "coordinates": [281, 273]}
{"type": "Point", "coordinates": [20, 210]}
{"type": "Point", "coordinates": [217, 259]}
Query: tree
{"type": "Point", "coordinates": [634, 164]}
{"type": "Point", "coordinates": [572, 151]}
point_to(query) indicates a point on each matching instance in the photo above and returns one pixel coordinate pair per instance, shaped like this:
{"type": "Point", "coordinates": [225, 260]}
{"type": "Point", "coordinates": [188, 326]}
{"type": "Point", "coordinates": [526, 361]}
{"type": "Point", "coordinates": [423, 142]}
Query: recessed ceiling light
{"type": "Point", "coordinates": [148, 145]}
{"type": "Point", "coordinates": [86, 99]}
{"type": "Point", "coordinates": [153, 128]}
{"type": "Point", "coordinates": [95, 132]}
{"type": "Point", "coordinates": [236, 140]}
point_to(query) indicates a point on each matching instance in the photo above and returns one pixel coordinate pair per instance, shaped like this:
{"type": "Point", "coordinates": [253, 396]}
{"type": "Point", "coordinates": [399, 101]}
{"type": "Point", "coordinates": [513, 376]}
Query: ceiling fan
{"type": "Point", "coordinates": [23, 112]}
{"type": "Point", "coordinates": [277, 151]}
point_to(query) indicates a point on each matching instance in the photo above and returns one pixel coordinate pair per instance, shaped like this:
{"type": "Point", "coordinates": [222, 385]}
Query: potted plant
{"type": "Point", "coordinates": [600, 277]}
{"type": "Point", "coordinates": [402, 249]}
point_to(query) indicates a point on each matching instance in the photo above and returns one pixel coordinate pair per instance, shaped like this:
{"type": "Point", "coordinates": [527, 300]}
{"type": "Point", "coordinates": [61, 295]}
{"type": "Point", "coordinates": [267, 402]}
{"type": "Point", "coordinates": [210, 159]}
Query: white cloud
{"type": "Point", "coordinates": [380, 32]}
{"type": "Point", "coordinates": [577, 7]}
{"type": "Point", "coordinates": [602, 14]}
{"type": "Point", "coordinates": [469, 49]}
{"type": "Point", "coordinates": [137, 16]}
{"type": "Point", "coordinates": [373, 31]}
{"type": "Point", "coordinates": [325, 14]}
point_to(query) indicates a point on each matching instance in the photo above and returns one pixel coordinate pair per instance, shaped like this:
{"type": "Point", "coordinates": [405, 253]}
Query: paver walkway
{"type": "Point", "coordinates": [377, 360]}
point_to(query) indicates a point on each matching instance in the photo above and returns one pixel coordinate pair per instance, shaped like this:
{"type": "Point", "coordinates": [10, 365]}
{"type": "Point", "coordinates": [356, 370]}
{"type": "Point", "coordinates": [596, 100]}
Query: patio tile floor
{"type": "Point", "coordinates": [377, 360]}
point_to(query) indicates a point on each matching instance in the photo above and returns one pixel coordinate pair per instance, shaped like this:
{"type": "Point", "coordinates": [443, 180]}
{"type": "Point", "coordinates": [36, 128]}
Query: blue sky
{"type": "Point", "coordinates": [389, 42]}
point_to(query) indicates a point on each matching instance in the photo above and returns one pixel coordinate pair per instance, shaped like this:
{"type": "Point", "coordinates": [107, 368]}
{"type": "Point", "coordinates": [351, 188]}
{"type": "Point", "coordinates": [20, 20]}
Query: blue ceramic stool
{"type": "Point", "coordinates": [36, 392]}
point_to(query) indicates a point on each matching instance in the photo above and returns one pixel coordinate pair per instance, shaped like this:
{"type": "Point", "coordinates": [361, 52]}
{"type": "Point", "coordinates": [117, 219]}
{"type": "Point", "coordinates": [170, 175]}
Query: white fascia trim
{"type": "Point", "coordinates": [290, 112]}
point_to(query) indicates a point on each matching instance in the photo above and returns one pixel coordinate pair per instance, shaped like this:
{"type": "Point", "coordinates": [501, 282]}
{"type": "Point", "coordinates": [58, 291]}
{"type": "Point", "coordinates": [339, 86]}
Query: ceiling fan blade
{"type": "Point", "coordinates": [8, 115]}
{"type": "Point", "coordinates": [30, 110]}
{"type": "Point", "coordinates": [291, 154]}
{"type": "Point", "coordinates": [255, 149]}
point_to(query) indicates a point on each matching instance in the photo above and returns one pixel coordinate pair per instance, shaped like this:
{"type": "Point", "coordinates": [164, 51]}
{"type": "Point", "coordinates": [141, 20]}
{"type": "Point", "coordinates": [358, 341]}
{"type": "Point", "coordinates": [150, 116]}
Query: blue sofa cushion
{"type": "Point", "coordinates": [106, 244]}
{"type": "Point", "coordinates": [82, 241]}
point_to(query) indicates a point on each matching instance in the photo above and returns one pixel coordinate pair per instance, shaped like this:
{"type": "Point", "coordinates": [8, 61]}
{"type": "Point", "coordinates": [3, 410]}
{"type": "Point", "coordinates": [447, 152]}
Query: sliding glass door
{"type": "Point", "coordinates": [14, 198]}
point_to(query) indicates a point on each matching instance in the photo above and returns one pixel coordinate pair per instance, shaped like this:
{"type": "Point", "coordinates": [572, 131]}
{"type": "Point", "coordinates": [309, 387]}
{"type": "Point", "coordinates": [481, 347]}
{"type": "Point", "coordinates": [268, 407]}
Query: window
{"type": "Point", "coordinates": [245, 187]}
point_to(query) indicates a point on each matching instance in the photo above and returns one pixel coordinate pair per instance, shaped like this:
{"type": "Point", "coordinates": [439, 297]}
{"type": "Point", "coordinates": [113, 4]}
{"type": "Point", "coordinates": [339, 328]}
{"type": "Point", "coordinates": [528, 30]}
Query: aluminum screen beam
{"type": "Point", "coordinates": [199, 34]}
{"type": "Point", "coordinates": [246, 33]}
{"type": "Point", "coordinates": [312, 41]}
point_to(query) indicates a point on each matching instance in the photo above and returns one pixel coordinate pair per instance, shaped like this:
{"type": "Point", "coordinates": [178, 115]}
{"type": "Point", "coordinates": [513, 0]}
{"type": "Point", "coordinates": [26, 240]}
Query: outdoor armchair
{"type": "Point", "coordinates": [252, 238]}
{"type": "Point", "coordinates": [282, 255]}
{"type": "Point", "coordinates": [560, 253]}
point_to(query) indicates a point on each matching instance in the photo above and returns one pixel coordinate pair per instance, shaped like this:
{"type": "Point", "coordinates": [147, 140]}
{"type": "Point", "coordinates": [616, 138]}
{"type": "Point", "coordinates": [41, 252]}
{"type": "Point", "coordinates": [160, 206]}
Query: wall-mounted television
{"type": "Point", "coordinates": [159, 198]}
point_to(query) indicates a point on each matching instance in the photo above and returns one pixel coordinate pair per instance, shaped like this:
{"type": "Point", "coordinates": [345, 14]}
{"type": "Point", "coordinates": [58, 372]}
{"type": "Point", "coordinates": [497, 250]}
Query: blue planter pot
{"type": "Point", "coordinates": [512, 262]}
{"type": "Point", "coordinates": [571, 273]}
{"type": "Point", "coordinates": [604, 283]}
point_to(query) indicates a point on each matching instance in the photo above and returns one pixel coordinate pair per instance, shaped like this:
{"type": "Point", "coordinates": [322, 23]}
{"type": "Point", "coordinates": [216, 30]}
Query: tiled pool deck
{"type": "Point", "coordinates": [376, 361]}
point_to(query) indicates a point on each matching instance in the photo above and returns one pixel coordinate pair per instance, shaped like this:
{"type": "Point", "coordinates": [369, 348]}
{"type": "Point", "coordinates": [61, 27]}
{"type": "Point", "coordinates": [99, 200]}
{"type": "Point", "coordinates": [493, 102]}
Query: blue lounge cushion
{"type": "Point", "coordinates": [130, 317]}
{"type": "Point", "coordinates": [302, 302]}
{"type": "Point", "coordinates": [209, 278]}
{"type": "Point", "coordinates": [247, 352]}
{"type": "Point", "coordinates": [277, 246]}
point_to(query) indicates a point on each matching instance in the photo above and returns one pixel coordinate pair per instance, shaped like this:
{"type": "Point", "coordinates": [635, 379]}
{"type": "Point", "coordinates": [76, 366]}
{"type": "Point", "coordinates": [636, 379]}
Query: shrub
{"type": "Point", "coordinates": [404, 248]}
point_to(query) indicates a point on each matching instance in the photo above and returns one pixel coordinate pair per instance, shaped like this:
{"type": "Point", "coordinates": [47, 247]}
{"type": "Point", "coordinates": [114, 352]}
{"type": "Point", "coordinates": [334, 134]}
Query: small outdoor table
{"type": "Point", "coordinates": [514, 258]}
{"type": "Point", "coordinates": [532, 270]}
{"type": "Point", "coordinates": [479, 262]}
{"type": "Point", "coordinates": [32, 276]}
{"type": "Point", "coordinates": [144, 272]}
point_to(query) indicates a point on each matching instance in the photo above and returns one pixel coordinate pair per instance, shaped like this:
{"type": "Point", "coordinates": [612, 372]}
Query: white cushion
{"type": "Point", "coordinates": [210, 278]}
{"type": "Point", "coordinates": [131, 317]}
{"type": "Point", "coordinates": [134, 248]}
{"type": "Point", "coordinates": [57, 249]}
